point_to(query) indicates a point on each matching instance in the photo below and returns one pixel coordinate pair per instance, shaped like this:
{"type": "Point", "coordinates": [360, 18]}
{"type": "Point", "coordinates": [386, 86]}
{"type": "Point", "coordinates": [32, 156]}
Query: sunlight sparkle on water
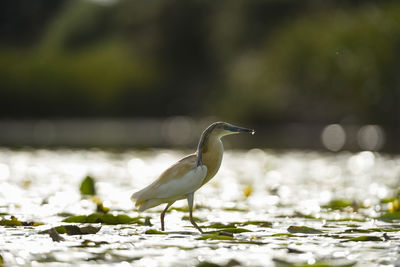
{"type": "Point", "coordinates": [284, 189]}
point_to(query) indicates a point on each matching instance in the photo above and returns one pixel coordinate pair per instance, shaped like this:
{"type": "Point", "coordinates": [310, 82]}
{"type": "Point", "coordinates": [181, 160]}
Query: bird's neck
{"type": "Point", "coordinates": [212, 153]}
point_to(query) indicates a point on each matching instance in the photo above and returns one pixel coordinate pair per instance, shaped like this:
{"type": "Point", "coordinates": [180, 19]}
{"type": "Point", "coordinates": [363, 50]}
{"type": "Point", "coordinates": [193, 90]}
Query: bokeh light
{"type": "Point", "coordinates": [333, 137]}
{"type": "Point", "coordinates": [371, 137]}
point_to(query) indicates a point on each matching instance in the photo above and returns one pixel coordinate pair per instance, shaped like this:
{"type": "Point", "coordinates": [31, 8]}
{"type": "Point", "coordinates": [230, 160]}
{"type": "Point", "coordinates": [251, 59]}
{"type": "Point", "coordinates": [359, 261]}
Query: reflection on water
{"type": "Point", "coordinates": [281, 187]}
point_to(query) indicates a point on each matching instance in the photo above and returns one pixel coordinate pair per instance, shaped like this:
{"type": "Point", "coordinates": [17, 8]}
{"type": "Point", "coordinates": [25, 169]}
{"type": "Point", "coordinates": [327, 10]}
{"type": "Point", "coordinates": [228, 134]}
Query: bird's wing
{"type": "Point", "coordinates": [178, 180]}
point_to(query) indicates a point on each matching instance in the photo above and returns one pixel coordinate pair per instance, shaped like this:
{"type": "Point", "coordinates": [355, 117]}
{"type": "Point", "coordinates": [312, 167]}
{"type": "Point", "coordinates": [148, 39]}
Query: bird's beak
{"type": "Point", "coordinates": [237, 129]}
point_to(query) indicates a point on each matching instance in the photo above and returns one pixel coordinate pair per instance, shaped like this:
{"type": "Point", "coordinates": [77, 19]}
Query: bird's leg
{"type": "Point", "coordinates": [190, 203]}
{"type": "Point", "coordinates": [163, 215]}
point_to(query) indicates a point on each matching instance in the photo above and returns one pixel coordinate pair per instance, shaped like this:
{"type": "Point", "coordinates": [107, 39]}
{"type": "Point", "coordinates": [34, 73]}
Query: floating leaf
{"type": "Point", "coordinates": [76, 219]}
{"type": "Point", "coordinates": [283, 235]}
{"type": "Point", "coordinates": [232, 230]}
{"type": "Point", "coordinates": [104, 218]}
{"type": "Point", "coordinates": [13, 221]}
{"type": "Point", "coordinates": [147, 221]}
{"type": "Point", "coordinates": [337, 204]}
{"type": "Point", "coordinates": [72, 230]}
{"type": "Point", "coordinates": [221, 225]}
{"type": "Point", "coordinates": [303, 230]}
{"type": "Point", "coordinates": [101, 208]}
{"type": "Point", "coordinates": [87, 186]}
{"type": "Point", "coordinates": [366, 238]}
{"type": "Point", "coordinates": [55, 236]}
{"type": "Point", "coordinates": [196, 219]}
{"type": "Point", "coordinates": [208, 264]}
{"type": "Point", "coordinates": [258, 223]}
{"type": "Point", "coordinates": [215, 237]}
{"type": "Point", "coordinates": [390, 216]}
{"type": "Point", "coordinates": [327, 263]}
{"type": "Point", "coordinates": [154, 232]}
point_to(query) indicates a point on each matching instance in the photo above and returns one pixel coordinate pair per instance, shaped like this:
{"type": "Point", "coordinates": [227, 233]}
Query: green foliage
{"type": "Point", "coordinates": [13, 221]}
{"type": "Point", "coordinates": [322, 263]}
{"type": "Point", "coordinates": [104, 219]}
{"type": "Point", "coordinates": [154, 232]}
{"type": "Point", "coordinates": [366, 238]}
{"type": "Point", "coordinates": [232, 230]}
{"type": "Point", "coordinates": [337, 204]}
{"type": "Point", "coordinates": [88, 186]}
{"type": "Point", "coordinates": [74, 230]}
{"type": "Point", "coordinates": [303, 230]}
{"type": "Point", "coordinates": [215, 237]}
{"type": "Point", "coordinates": [390, 216]}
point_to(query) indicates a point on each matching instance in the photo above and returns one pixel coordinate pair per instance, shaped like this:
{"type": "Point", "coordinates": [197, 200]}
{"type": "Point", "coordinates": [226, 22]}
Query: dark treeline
{"type": "Point", "coordinates": [257, 61]}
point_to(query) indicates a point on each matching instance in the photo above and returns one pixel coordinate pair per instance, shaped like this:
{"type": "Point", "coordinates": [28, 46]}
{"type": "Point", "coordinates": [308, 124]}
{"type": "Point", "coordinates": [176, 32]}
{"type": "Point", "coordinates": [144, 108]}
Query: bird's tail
{"type": "Point", "coordinates": [142, 203]}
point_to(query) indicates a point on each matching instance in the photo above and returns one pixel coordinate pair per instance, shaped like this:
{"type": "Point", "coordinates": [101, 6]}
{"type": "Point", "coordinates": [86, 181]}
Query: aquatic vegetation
{"type": "Point", "coordinates": [288, 224]}
{"type": "Point", "coordinates": [232, 230]}
{"type": "Point", "coordinates": [303, 230]}
{"type": "Point", "coordinates": [390, 216]}
{"type": "Point", "coordinates": [74, 230]}
{"type": "Point", "coordinates": [322, 263]}
{"type": "Point", "coordinates": [105, 219]}
{"type": "Point", "coordinates": [88, 186]}
{"type": "Point", "coordinates": [366, 238]}
{"type": "Point", "coordinates": [13, 221]}
{"type": "Point", "coordinates": [218, 236]}
{"type": "Point", "coordinates": [154, 232]}
{"type": "Point", "coordinates": [337, 204]}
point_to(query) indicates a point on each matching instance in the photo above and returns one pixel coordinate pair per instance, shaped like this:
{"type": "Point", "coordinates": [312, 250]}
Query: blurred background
{"type": "Point", "coordinates": [307, 74]}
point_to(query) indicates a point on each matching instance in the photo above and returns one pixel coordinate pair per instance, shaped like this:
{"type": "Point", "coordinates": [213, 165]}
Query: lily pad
{"type": "Point", "coordinates": [232, 230]}
{"type": "Point", "coordinates": [337, 204]}
{"type": "Point", "coordinates": [366, 238]}
{"type": "Point", "coordinates": [154, 232]}
{"type": "Point", "coordinates": [327, 263]}
{"type": "Point", "coordinates": [390, 216]}
{"type": "Point", "coordinates": [88, 186]}
{"type": "Point", "coordinates": [283, 235]}
{"type": "Point", "coordinates": [303, 230]}
{"type": "Point", "coordinates": [73, 230]}
{"type": "Point", "coordinates": [258, 223]}
{"type": "Point", "coordinates": [13, 221]}
{"type": "Point", "coordinates": [196, 219]}
{"type": "Point", "coordinates": [215, 237]}
{"type": "Point", "coordinates": [104, 219]}
{"type": "Point", "coordinates": [221, 225]}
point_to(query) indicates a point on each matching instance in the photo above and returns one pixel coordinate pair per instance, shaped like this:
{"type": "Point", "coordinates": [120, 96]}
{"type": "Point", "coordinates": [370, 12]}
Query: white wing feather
{"type": "Point", "coordinates": [178, 187]}
{"type": "Point", "coordinates": [189, 183]}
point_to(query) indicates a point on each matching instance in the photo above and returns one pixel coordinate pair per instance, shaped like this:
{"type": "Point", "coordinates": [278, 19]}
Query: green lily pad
{"type": "Point", "coordinates": [221, 225]}
{"type": "Point", "coordinates": [76, 219]}
{"type": "Point", "coordinates": [258, 223]}
{"type": "Point", "coordinates": [73, 230]}
{"type": "Point", "coordinates": [88, 186]}
{"type": "Point", "coordinates": [13, 222]}
{"type": "Point", "coordinates": [154, 232]}
{"type": "Point", "coordinates": [390, 216]}
{"type": "Point", "coordinates": [366, 238]}
{"type": "Point", "coordinates": [208, 264]}
{"type": "Point", "coordinates": [303, 230]}
{"type": "Point", "coordinates": [232, 230]}
{"type": "Point", "coordinates": [215, 237]}
{"type": "Point", "coordinates": [104, 219]}
{"type": "Point", "coordinates": [337, 204]}
{"type": "Point", "coordinates": [196, 219]}
{"type": "Point", "coordinates": [327, 263]}
{"type": "Point", "coordinates": [283, 235]}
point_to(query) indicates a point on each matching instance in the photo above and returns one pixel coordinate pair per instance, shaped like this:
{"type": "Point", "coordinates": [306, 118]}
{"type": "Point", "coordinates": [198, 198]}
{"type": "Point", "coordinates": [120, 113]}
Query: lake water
{"type": "Point", "coordinates": [272, 194]}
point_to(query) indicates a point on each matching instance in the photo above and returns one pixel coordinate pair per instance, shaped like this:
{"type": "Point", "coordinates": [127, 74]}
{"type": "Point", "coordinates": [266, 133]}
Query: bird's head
{"type": "Point", "coordinates": [223, 128]}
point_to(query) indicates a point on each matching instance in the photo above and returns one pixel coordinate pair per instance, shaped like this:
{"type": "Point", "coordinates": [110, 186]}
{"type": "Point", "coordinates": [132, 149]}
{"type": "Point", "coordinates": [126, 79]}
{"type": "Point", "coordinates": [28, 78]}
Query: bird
{"type": "Point", "coordinates": [182, 179]}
